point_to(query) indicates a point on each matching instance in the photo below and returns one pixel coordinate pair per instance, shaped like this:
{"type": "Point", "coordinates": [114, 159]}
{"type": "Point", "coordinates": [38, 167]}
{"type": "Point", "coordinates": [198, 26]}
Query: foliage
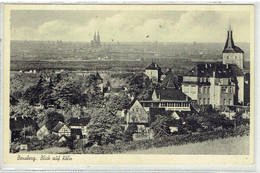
{"type": "Point", "coordinates": [28, 131]}
{"type": "Point", "coordinates": [172, 140]}
{"type": "Point", "coordinates": [104, 127]}
{"type": "Point", "coordinates": [52, 118]}
{"type": "Point", "coordinates": [140, 86]}
{"type": "Point", "coordinates": [118, 101]}
{"type": "Point", "coordinates": [160, 127]}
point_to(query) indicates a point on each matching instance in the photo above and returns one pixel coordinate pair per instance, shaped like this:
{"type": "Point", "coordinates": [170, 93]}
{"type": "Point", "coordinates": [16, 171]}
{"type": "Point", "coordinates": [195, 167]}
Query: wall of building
{"type": "Point", "coordinates": [190, 90]}
{"type": "Point", "coordinates": [152, 74]}
{"type": "Point", "coordinates": [234, 58]}
{"type": "Point", "coordinates": [203, 95]}
{"type": "Point", "coordinates": [241, 87]}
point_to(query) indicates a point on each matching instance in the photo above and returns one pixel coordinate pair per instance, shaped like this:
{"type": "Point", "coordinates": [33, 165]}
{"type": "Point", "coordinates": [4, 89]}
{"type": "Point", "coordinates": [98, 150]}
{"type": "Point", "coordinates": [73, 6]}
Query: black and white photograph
{"type": "Point", "coordinates": [166, 81]}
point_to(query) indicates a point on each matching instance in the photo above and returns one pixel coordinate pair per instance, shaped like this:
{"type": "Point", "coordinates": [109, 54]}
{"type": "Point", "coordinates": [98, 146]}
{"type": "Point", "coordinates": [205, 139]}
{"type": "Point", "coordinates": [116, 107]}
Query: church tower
{"type": "Point", "coordinates": [231, 53]}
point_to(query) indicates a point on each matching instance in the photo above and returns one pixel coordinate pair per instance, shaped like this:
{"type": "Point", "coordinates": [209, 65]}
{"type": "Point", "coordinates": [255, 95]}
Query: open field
{"type": "Point", "coordinates": [228, 146]}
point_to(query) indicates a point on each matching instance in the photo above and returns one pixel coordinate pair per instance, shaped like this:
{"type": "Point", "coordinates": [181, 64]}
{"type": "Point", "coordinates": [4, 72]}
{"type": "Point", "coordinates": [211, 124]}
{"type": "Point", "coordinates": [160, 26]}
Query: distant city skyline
{"type": "Point", "coordinates": [130, 26]}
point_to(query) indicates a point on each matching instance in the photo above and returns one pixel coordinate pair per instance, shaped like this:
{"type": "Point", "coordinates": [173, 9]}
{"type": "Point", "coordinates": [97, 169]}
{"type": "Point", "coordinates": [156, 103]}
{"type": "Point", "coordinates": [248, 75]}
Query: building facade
{"type": "Point", "coordinates": [214, 84]}
{"type": "Point", "coordinates": [153, 71]}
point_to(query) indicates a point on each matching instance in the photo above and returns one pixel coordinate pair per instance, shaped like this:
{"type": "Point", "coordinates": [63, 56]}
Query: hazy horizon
{"type": "Point", "coordinates": [129, 26]}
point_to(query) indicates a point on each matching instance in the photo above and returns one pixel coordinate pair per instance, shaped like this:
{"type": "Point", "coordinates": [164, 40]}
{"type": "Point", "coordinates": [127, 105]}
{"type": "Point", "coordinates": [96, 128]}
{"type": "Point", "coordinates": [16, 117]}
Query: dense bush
{"type": "Point", "coordinates": [173, 140]}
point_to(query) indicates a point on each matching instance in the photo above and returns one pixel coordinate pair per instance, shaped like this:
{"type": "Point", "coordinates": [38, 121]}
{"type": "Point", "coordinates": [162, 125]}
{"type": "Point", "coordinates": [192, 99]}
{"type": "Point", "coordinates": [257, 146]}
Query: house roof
{"type": "Point", "coordinates": [78, 121]}
{"type": "Point", "coordinates": [170, 81]}
{"type": "Point", "coordinates": [58, 126]}
{"type": "Point", "coordinates": [153, 66]}
{"type": "Point", "coordinates": [230, 46]}
{"type": "Point", "coordinates": [220, 70]}
{"type": "Point", "coordinates": [19, 123]}
{"type": "Point", "coordinates": [170, 94]}
{"type": "Point", "coordinates": [76, 132]}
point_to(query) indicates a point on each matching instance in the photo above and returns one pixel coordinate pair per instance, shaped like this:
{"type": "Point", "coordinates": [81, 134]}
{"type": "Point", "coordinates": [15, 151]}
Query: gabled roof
{"type": "Point", "coordinates": [58, 126]}
{"type": "Point", "coordinates": [19, 123]}
{"type": "Point", "coordinates": [78, 121]}
{"type": "Point", "coordinates": [170, 94]}
{"type": "Point", "coordinates": [230, 46]}
{"type": "Point", "coordinates": [153, 66]}
{"type": "Point", "coordinates": [170, 81]}
{"type": "Point", "coordinates": [220, 70]}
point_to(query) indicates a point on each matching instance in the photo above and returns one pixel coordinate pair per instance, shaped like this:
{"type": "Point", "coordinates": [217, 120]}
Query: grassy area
{"type": "Point", "coordinates": [228, 146]}
{"type": "Point", "coordinates": [52, 150]}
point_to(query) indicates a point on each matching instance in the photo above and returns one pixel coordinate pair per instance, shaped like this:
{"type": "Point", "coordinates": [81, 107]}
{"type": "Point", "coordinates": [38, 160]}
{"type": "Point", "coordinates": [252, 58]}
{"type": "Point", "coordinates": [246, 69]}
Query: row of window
{"type": "Point", "coordinates": [174, 105]}
{"type": "Point", "coordinates": [205, 101]}
{"type": "Point", "coordinates": [226, 89]}
{"type": "Point", "coordinates": [204, 89]}
{"type": "Point", "coordinates": [203, 79]}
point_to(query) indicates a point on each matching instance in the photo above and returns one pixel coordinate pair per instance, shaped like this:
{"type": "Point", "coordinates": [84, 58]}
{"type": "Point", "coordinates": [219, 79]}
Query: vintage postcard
{"type": "Point", "coordinates": [128, 85]}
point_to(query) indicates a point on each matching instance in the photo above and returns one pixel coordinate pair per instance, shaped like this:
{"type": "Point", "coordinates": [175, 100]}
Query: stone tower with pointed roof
{"type": "Point", "coordinates": [231, 53]}
{"type": "Point", "coordinates": [153, 71]}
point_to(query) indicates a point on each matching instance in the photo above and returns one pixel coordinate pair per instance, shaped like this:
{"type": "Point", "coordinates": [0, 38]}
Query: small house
{"type": "Point", "coordinates": [61, 129]}
{"type": "Point", "coordinates": [77, 123]}
{"type": "Point", "coordinates": [42, 132]}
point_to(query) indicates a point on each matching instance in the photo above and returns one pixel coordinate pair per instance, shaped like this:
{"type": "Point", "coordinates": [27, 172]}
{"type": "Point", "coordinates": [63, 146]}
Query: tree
{"type": "Point", "coordinates": [28, 131]}
{"type": "Point", "coordinates": [140, 86]}
{"type": "Point", "coordinates": [52, 119]}
{"type": "Point", "coordinates": [160, 127]}
{"type": "Point", "coordinates": [118, 102]}
{"type": "Point", "coordinates": [104, 127]}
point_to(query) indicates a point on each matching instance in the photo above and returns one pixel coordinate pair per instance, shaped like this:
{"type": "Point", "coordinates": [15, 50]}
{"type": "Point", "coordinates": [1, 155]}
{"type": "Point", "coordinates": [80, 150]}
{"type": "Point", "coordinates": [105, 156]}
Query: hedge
{"type": "Point", "coordinates": [121, 147]}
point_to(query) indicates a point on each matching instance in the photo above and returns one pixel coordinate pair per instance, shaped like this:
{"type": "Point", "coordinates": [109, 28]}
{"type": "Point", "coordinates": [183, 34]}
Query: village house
{"type": "Point", "coordinates": [136, 115]}
{"type": "Point", "coordinates": [78, 126]}
{"type": "Point", "coordinates": [153, 71]}
{"type": "Point", "coordinates": [42, 132]}
{"type": "Point", "coordinates": [61, 129]}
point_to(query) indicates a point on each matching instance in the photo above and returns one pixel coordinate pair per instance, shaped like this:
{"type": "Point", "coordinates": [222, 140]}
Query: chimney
{"type": "Point", "coordinates": [226, 66]}
{"type": "Point", "coordinates": [209, 65]}
{"type": "Point", "coordinates": [206, 65]}
{"type": "Point", "coordinates": [15, 118]}
{"type": "Point", "coordinates": [214, 73]}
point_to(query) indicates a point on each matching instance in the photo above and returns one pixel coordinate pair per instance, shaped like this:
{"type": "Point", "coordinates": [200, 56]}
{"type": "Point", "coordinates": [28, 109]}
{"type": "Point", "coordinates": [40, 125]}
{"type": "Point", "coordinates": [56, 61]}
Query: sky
{"type": "Point", "coordinates": [129, 26]}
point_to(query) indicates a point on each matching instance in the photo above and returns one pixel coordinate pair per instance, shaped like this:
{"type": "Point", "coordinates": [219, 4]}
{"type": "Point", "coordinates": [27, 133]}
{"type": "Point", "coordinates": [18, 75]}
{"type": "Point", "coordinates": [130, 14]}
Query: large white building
{"type": "Point", "coordinates": [218, 83]}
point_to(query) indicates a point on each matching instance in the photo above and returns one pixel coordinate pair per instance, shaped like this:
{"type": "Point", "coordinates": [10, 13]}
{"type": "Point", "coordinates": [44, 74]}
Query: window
{"type": "Point", "coordinates": [205, 89]}
{"type": "Point", "coordinates": [204, 101]}
{"type": "Point", "coordinates": [230, 102]}
{"type": "Point", "coordinates": [200, 89]}
{"type": "Point", "coordinates": [224, 101]}
{"type": "Point", "coordinates": [208, 101]}
{"type": "Point", "coordinates": [201, 79]}
{"type": "Point", "coordinates": [224, 90]}
{"type": "Point", "coordinates": [231, 90]}
{"type": "Point", "coordinates": [221, 80]}
{"type": "Point", "coordinates": [200, 101]}
{"type": "Point", "coordinates": [205, 79]}
{"type": "Point", "coordinates": [208, 89]}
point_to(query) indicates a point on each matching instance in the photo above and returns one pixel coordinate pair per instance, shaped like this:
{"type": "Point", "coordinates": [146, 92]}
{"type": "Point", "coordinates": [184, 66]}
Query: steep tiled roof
{"type": "Point", "coordinates": [170, 94]}
{"type": "Point", "coordinates": [58, 126]}
{"type": "Point", "coordinates": [78, 121]}
{"type": "Point", "coordinates": [230, 46]}
{"type": "Point", "coordinates": [221, 70]}
{"type": "Point", "coordinates": [170, 81]}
